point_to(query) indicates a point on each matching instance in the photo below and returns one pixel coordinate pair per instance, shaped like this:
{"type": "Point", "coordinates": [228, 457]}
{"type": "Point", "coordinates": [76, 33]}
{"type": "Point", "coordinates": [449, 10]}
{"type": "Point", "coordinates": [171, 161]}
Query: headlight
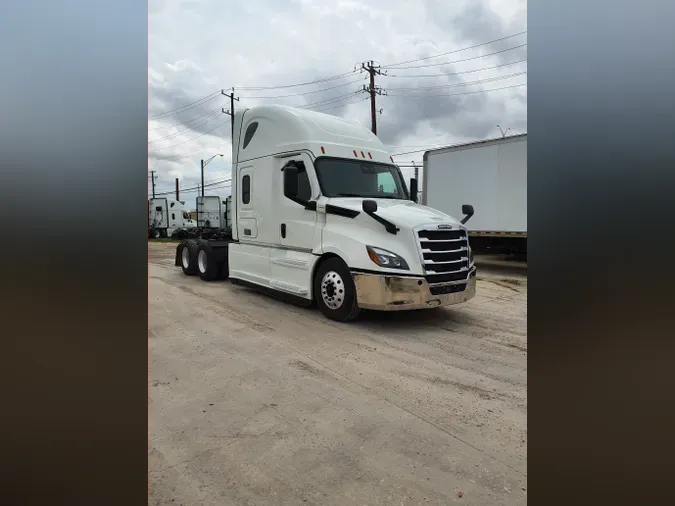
{"type": "Point", "coordinates": [385, 258]}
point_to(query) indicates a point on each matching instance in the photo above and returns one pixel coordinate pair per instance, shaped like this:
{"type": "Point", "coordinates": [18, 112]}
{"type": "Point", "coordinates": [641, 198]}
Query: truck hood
{"type": "Point", "coordinates": [402, 213]}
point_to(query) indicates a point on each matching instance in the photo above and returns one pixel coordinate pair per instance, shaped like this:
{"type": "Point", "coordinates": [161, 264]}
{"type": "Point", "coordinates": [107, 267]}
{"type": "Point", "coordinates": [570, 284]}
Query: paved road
{"type": "Point", "coordinates": [256, 401]}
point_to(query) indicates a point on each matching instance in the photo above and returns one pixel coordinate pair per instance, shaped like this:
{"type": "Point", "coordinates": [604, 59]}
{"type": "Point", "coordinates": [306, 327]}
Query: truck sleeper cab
{"type": "Point", "coordinates": [321, 213]}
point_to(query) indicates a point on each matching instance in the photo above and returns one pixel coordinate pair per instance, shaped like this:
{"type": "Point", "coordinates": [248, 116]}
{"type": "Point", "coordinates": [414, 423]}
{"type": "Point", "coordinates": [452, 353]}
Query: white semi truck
{"type": "Point", "coordinates": [166, 215]}
{"type": "Point", "coordinates": [492, 175]}
{"type": "Point", "coordinates": [320, 213]}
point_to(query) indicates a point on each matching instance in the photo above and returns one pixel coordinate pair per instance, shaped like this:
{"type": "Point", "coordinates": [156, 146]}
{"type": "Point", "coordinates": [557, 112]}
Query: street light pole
{"type": "Point", "coordinates": [204, 164]}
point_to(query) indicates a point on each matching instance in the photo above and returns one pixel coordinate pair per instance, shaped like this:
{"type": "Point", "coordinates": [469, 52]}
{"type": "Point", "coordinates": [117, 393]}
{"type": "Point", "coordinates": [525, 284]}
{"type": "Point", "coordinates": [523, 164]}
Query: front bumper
{"type": "Point", "coordinates": [396, 293]}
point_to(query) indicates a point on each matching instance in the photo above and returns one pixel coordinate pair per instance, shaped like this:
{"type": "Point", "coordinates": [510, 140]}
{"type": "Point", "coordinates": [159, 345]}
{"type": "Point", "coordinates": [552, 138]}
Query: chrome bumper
{"type": "Point", "coordinates": [395, 293]}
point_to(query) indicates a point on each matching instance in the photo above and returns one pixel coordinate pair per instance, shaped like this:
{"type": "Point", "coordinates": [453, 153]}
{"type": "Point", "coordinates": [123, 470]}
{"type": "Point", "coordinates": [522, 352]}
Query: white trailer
{"type": "Point", "coordinates": [490, 174]}
{"type": "Point", "coordinates": [166, 215]}
{"type": "Point", "coordinates": [214, 212]}
{"type": "Point", "coordinates": [320, 213]}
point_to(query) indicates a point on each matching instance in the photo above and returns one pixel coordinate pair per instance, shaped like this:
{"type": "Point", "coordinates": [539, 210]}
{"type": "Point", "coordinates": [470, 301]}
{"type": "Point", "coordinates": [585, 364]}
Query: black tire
{"type": "Point", "coordinates": [344, 305]}
{"type": "Point", "coordinates": [179, 252]}
{"type": "Point", "coordinates": [208, 267]}
{"type": "Point", "coordinates": [189, 259]}
{"type": "Point", "coordinates": [155, 233]}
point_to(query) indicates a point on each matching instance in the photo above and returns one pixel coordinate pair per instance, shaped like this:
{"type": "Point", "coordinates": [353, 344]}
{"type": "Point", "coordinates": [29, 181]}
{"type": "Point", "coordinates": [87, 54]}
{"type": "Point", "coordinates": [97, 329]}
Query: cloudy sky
{"type": "Point", "coordinates": [446, 81]}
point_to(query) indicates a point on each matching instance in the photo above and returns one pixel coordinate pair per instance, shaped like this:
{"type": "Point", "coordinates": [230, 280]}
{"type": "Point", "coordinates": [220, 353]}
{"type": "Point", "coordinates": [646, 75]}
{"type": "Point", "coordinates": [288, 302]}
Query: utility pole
{"type": "Point", "coordinates": [177, 190]}
{"type": "Point", "coordinates": [373, 90]}
{"type": "Point", "coordinates": [152, 176]}
{"type": "Point", "coordinates": [202, 177]}
{"type": "Point", "coordinates": [231, 111]}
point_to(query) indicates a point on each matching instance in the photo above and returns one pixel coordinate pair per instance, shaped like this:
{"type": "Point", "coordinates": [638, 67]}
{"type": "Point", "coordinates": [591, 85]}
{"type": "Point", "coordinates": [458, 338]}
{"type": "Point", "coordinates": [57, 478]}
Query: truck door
{"type": "Point", "coordinates": [297, 226]}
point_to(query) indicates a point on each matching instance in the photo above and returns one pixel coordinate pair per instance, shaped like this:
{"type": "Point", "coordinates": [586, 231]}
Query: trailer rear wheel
{"type": "Point", "coordinates": [335, 292]}
{"type": "Point", "coordinates": [208, 266]}
{"type": "Point", "coordinates": [188, 257]}
{"type": "Point", "coordinates": [154, 233]}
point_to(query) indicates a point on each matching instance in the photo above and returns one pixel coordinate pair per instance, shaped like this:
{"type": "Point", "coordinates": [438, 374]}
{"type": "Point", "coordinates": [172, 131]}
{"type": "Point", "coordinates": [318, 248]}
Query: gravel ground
{"type": "Point", "coordinates": [257, 401]}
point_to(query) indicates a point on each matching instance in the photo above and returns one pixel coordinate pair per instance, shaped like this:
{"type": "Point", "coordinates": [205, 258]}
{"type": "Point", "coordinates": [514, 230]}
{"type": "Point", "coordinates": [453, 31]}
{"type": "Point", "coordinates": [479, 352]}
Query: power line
{"type": "Point", "coordinates": [467, 83]}
{"type": "Point", "coordinates": [457, 73]}
{"type": "Point", "coordinates": [454, 51]}
{"type": "Point", "coordinates": [345, 104]}
{"type": "Point", "coordinates": [189, 129]}
{"type": "Point", "coordinates": [327, 101]}
{"type": "Point", "coordinates": [185, 122]}
{"type": "Point", "coordinates": [208, 182]}
{"type": "Point", "coordinates": [186, 107]}
{"type": "Point", "coordinates": [461, 61]}
{"type": "Point", "coordinates": [420, 150]}
{"type": "Point", "coordinates": [189, 140]}
{"type": "Point", "coordinates": [186, 190]}
{"type": "Point", "coordinates": [458, 94]}
{"type": "Point", "coordinates": [332, 78]}
{"type": "Point", "coordinates": [205, 149]}
{"type": "Point", "coordinates": [309, 92]}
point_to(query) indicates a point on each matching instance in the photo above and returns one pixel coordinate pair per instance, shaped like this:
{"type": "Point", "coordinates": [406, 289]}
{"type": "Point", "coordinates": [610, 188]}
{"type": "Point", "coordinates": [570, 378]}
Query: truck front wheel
{"type": "Point", "coordinates": [335, 292]}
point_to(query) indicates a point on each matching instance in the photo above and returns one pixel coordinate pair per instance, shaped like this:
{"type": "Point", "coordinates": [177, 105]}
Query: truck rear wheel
{"type": "Point", "coordinates": [208, 266]}
{"type": "Point", "coordinates": [335, 292]}
{"type": "Point", "coordinates": [188, 257]}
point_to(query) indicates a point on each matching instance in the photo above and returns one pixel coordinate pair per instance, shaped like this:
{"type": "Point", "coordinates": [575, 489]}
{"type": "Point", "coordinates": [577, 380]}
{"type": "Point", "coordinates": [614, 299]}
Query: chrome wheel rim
{"type": "Point", "coordinates": [185, 257]}
{"type": "Point", "coordinates": [202, 261]}
{"type": "Point", "coordinates": [332, 290]}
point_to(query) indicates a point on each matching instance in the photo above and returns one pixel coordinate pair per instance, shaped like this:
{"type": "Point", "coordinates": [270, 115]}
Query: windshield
{"type": "Point", "coordinates": [359, 178]}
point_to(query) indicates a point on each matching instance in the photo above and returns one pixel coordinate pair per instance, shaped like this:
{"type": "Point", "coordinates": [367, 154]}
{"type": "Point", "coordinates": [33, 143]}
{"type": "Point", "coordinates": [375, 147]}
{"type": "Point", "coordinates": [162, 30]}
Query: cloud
{"type": "Point", "coordinates": [199, 48]}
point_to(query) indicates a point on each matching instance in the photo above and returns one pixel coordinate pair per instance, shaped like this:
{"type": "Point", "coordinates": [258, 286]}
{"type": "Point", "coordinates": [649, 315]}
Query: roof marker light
{"type": "Point", "coordinates": [371, 156]}
{"type": "Point", "coordinates": [362, 155]}
{"type": "Point", "coordinates": [323, 150]}
{"type": "Point", "coordinates": [355, 154]}
{"type": "Point", "coordinates": [392, 160]}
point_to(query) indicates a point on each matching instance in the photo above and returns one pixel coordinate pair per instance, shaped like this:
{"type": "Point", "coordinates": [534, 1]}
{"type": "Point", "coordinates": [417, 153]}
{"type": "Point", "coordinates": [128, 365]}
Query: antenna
{"type": "Point", "coordinates": [503, 131]}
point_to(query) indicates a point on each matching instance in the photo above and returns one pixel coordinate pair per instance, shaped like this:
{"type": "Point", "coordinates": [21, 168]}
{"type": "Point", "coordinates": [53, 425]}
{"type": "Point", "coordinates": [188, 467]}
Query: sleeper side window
{"type": "Point", "coordinates": [246, 189]}
{"type": "Point", "coordinates": [250, 132]}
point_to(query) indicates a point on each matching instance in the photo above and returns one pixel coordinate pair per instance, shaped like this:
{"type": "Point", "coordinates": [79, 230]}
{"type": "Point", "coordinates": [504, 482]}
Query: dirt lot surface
{"type": "Point", "coordinates": [254, 401]}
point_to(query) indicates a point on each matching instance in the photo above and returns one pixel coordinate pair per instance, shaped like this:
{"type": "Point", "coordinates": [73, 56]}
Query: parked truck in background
{"type": "Point", "coordinates": [320, 213]}
{"type": "Point", "coordinates": [166, 215]}
{"type": "Point", "coordinates": [490, 174]}
{"type": "Point", "coordinates": [213, 212]}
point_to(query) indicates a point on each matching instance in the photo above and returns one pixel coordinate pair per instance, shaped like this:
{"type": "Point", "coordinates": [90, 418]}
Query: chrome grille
{"type": "Point", "coordinates": [445, 255]}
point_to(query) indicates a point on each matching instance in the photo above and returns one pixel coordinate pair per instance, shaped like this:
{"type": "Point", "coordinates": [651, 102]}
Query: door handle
{"type": "Point", "coordinates": [283, 231]}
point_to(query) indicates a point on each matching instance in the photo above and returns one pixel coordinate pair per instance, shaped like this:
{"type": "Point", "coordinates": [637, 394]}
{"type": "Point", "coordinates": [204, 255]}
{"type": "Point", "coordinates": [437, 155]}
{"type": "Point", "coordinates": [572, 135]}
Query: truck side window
{"type": "Point", "coordinates": [246, 189]}
{"type": "Point", "coordinates": [250, 132]}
